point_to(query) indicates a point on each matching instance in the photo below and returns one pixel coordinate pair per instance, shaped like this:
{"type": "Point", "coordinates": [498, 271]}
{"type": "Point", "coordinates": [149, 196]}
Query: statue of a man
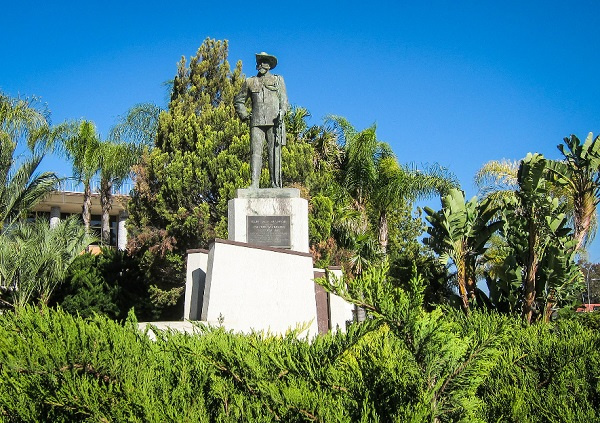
{"type": "Point", "coordinates": [269, 104]}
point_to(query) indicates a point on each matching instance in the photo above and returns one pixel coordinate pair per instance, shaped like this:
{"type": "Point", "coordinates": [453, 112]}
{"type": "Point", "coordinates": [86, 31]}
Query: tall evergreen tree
{"type": "Point", "coordinates": [200, 157]}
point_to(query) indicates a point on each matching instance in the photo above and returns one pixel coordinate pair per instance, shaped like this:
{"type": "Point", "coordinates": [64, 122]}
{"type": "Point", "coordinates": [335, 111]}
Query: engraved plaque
{"type": "Point", "coordinates": [271, 231]}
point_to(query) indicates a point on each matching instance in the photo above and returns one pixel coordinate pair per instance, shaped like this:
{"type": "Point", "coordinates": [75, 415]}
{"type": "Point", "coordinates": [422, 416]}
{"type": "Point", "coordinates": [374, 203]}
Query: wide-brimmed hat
{"type": "Point", "coordinates": [271, 60]}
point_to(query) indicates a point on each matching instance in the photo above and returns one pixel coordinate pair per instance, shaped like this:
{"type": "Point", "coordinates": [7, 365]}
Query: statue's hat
{"type": "Point", "coordinates": [271, 60]}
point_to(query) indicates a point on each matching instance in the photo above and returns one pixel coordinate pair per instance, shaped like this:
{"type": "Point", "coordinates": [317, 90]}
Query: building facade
{"type": "Point", "coordinates": [61, 204]}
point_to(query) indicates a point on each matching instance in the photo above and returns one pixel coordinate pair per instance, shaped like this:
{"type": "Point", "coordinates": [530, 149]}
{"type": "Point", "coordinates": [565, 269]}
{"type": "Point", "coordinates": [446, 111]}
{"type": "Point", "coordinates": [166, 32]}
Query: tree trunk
{"type": "Point", "coordinates": [86, 208]}
{"type": "Point", "coordinates": [471, 283]}
{"type": "Point", "coordinates": [530, 276]}
{"type": "Point", "coordinates": [585, 209]}
{"type": "Point", "coordinates": [383, 232]}
{"type": "Point", "coordinates": [105, 204]}
{"type": "Point", "coordinates": [462, 284]}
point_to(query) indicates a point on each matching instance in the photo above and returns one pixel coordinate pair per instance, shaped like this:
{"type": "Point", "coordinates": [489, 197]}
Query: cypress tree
{"type": "Point", "coordinates": [183, 185]}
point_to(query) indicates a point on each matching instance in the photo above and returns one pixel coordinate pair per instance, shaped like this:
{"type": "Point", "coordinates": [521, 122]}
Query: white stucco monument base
{"type": "Point", "coordinates": [262, 277]}
{"type": "Point", "coordinates": [263, 290]}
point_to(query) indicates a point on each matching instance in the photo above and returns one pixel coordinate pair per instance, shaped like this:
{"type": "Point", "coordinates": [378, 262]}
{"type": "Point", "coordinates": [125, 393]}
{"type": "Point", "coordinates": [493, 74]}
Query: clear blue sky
{"type": "Point", "coordinates": [453, 82]}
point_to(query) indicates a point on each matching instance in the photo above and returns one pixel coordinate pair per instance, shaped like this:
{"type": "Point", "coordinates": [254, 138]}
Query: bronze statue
{"type": "Point", "coordinates": [269, 104]}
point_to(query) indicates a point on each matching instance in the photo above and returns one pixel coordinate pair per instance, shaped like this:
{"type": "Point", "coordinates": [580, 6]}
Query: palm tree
{"type": "Point", "coordinates": [34, 258]}
{"type": "Point", "coordinates": [576, 180]}
{"type": "Point", "coordinates": [128, 139]}
{"type": "Point", "coordinates": [81, 145]}
{"type": "Point", "coordinates": [579, 173]}
{"type": "Point", "coordinates": [362, 152]}
{"type": "Point", "coordinates": [20, 187]}
{"type": "Point", "coordinates": [20, 118]}
{"type": "Point", "coordinates": [373, 177]}
{"type": "Point", "coordinates": [405, 183]}
{"type": "Point", "coordinates": [115, 162]}
{"type": "Point", "coordinates": [497, 180]}
{"type": "Point", "coordinates": [295, 123]}
{"type": "Point", "coordinates": [111, 158]}
{"type": "Point", "coordinates": [138, 126]}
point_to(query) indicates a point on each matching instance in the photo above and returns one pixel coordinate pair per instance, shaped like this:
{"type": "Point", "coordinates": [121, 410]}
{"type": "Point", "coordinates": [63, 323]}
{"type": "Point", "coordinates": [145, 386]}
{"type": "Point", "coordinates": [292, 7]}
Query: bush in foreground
{"type": "Point", "coordinates": [403, 364]}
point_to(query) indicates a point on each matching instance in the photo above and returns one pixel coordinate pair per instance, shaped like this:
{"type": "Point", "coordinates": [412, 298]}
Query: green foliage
{"type": "Point", "coordinates": [404, 364]}
{"type": "Point", "coordinates": [542, 247]}
{"type": "Point", "coordinates": [138, 126]}
{"type": "Point", "coordinates": [321, 218]}
{"type": "Point", "coordinates": [579, 174]}
{"type": "Point", "coordinates": [199, 159]}
{"type": "Point", "coordinates": [109, 283]}
{"type": "Point", "coordinates": [80, 144]}
{"type": "Point", "coordinates": [460, 232]}
{"type": "Point", "coordinates": [447, 369]}
{"type": "Point", "coordinates": [115, 160]}
{"type": "Point", "coordinates": [85, 291]}
{"type": "Point", "coordinates": [529, 265]}
{"type": "Point", "coordinates": [21, 188]}
{"type": "Point", "coordinates": [372, 194]}
{"type": "Point", "coordinates": [548, 374]}
{"type": "Point", "coordinates": [34, 258]}
{"type": "Point", "coordinates": [481, 367]}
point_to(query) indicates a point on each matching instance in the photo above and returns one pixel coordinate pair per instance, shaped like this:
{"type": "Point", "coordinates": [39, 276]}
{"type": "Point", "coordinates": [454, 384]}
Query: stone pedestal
{"type": "Point", "coordinates": [262, 278]}
{"type": "Point", "coordinates": [245, 287]}
{"type": "Point", "coordinates": [270, 217]}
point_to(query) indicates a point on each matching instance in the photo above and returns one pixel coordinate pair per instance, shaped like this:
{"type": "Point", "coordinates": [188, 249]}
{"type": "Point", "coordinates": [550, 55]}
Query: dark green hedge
{"type": "Point", "coordinates": [61, 368]}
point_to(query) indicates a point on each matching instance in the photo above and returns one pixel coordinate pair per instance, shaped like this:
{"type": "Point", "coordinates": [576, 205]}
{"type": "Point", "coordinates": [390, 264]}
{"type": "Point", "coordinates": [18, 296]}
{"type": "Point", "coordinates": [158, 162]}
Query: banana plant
{"type": "Point", "coordinates": [537, 231]}
{"type": "Point", "coordinates": [579, 174]}
{"type": "Point", "coordinates": [459, 233]}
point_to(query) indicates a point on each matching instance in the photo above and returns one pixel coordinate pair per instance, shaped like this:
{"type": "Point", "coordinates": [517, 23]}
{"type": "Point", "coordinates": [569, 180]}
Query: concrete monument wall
{"type": "Point", "coordinates": [249, 287]}
{"type": "Point", "coordinates": [197, 263]}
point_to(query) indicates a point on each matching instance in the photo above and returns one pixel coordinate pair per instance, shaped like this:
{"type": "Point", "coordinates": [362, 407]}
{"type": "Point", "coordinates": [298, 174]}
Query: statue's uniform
{"type": "Point", "coordinates": [268, 99]}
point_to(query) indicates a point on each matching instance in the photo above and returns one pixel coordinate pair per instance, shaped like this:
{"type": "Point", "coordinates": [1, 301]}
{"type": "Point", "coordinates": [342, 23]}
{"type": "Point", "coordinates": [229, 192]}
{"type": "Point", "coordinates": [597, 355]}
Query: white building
{"type": "Point", "coordinates": [61, 204]}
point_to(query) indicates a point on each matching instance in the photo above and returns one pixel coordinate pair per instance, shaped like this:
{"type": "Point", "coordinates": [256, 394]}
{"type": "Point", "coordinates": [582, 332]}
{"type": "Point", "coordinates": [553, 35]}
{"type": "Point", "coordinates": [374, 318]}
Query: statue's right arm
{"type": "Point", "coordinates": [239, 102]}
